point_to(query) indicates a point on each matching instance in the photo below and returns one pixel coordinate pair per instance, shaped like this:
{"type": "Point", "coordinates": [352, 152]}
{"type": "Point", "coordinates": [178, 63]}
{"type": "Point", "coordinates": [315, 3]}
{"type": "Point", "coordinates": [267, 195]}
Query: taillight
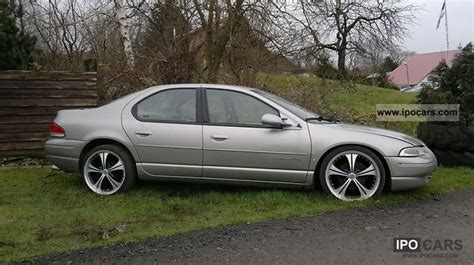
{"type": "Point", "coordinates": [56, 130]}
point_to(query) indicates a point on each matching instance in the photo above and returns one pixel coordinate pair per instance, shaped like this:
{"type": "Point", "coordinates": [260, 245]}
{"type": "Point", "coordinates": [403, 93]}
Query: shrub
{"type": "Point", "coordinates": [452, 143]}
{"type": "Point", "coordinates": [453, 85]}
{"type": "Point", "coordinates": [16, 46]}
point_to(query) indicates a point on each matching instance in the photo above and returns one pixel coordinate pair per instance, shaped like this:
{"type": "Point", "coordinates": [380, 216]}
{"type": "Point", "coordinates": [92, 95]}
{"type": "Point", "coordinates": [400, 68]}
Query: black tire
{"type": "Point", "coordinates": [327, 159]}
{"type": "Point", "coordinates": [130, 175]}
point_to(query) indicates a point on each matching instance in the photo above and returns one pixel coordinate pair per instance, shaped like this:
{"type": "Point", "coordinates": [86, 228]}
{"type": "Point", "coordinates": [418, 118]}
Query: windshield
{"type": "Point", "coordinates": [301, 112]}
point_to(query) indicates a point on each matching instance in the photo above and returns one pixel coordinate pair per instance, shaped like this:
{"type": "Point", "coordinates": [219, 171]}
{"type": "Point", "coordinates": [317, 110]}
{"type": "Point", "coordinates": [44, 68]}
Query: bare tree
{"type": "Point", "coordinates": [163, 45]}
{"type": "Point", "coordinates": [219, 20]}
{"type": "Point", "coordinates": [400, 55]}
{"type": "Point", "coordinates": [124, 31]}
{"type": "Point", "coordinates": [63, 29]}
{"type": "Point", "coordinates": [368, 61]}
{"type": "Point", "coordinates": [347, 26]}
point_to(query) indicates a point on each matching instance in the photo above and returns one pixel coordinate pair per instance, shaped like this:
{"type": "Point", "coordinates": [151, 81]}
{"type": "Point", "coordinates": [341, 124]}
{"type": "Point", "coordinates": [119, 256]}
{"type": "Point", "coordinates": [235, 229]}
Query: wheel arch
{"type": "Point", "coordinates": [102, 141]}
{"type": "Point", "coordinates": [388, 179]}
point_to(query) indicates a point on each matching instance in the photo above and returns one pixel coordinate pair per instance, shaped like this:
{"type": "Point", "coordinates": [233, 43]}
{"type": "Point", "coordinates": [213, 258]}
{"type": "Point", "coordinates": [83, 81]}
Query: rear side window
{"type": "Point", "coordinates": [228, 107]}
{"type": "Point", "coordinates": [176, 105]}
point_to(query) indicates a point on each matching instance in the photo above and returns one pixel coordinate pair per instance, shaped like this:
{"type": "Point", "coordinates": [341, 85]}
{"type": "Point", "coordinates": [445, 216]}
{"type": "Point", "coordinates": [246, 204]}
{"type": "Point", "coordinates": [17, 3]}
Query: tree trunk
{"type": "Point", "coordinates": [213, 74]}
{"type": "Point", "coordinates": [212, 67]}
{"type": "Point", "coordinates": [218, 34]}
{"type": "Point", "coordinates": [124, 31]}
{"type": "Point", "coordinates": [341, 65]}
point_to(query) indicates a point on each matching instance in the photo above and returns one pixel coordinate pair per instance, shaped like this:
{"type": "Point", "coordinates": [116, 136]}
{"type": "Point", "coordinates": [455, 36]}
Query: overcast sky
{"type": "Point", "coordinates": [424, 36]}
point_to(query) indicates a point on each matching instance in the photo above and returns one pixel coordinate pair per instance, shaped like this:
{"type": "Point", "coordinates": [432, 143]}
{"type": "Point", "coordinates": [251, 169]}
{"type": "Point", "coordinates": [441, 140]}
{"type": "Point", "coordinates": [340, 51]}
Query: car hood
{"type": "Point", "coordinates": [377, 131]}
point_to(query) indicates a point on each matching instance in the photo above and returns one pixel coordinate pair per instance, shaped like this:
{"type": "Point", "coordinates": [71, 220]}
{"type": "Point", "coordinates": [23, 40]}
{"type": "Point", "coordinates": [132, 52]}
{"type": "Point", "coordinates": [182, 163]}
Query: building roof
{"type": "Point", "coordinates": [420, 66]}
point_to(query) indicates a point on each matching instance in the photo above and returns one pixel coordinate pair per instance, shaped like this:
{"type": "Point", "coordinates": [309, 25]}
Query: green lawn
{"type": "Point", "coordinates": [44, 211]}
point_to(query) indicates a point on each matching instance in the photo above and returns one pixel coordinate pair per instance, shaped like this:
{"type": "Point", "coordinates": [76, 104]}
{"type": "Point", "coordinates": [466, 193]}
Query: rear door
{"type": "Point", "coordinates": [165, 130]}
{"type": "Point", "coordinates": [238, 146]}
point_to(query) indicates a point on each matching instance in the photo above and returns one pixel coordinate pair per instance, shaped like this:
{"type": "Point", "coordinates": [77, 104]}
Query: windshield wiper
{"type": "Point", "coordinates": [321, 118]}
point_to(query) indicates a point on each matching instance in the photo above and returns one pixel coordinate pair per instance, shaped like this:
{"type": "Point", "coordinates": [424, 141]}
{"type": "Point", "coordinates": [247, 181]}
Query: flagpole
{"type": "Point", "coordinates": [447, 32]}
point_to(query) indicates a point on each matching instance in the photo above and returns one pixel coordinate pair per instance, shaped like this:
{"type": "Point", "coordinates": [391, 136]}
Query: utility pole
{"type": "Point", "coordinates": [408, 76]}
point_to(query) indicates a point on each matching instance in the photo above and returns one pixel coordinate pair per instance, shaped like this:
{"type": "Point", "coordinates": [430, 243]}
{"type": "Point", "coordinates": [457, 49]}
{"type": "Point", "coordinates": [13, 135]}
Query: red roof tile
{"type": "Point", "coordinates": [419, 66]}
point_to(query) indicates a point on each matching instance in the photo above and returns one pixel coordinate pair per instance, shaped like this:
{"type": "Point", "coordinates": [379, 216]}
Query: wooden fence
{"type": "Point", "coordinates": [29, 102]}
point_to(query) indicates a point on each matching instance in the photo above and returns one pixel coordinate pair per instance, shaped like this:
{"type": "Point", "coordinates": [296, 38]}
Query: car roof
{"type": "Point", "coordinates": [194, 85]}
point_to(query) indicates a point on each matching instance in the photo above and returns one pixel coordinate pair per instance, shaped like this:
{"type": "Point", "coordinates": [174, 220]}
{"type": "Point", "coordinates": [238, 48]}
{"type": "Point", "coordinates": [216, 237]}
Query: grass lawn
{"type": "Point", "coordinates": [44, 211]}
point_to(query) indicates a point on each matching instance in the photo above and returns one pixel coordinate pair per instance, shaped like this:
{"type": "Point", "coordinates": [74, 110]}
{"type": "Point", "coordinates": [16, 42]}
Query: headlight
{"type": "Point", "coordinates": [412, 151]}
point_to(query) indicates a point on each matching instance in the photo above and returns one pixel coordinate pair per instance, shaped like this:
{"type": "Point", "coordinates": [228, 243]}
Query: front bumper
{"type": "Point", "coordinates": [64, 153]}
{"type": "Point", "coordinates": [411, 172]}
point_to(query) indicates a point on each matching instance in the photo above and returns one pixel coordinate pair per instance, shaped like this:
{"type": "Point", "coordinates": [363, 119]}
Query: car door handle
{"type": "Point", "coordinates": [219, 137]}
{"type": "Point", "coordinates": [144, 134]}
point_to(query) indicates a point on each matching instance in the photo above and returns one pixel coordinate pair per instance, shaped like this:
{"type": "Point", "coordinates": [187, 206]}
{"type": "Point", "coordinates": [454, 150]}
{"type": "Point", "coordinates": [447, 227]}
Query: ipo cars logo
{"type": "Point", "coordinates": [418, 245]}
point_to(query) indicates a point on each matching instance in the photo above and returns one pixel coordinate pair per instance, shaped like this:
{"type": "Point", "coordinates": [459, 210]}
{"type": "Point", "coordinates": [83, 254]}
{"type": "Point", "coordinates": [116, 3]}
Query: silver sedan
{"type": "Point", "coordinates": [233, 135]}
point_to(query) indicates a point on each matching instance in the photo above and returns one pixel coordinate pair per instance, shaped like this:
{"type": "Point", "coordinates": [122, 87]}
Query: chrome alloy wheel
{"type": "Point", "coordinates": [352, 175]}
{"type": "Point", "coordinates": [104, 172]}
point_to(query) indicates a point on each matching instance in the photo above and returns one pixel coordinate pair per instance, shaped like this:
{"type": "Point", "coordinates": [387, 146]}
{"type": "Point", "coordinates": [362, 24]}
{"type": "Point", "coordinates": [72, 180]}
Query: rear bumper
{"type": "Point", "coordinates": [64, 153]}
{"type": "Point", "coordinates": [411, 172]}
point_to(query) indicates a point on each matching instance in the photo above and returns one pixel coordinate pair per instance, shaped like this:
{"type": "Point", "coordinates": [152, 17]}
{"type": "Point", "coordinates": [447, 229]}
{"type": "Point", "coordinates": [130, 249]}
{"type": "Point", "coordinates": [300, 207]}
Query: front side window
{"type": "Point", "coordinates": [299, 111]}
{"type": "Point", "coordinates": [229, 107]}
{"type": "Point", "coordinates": [176, 105]}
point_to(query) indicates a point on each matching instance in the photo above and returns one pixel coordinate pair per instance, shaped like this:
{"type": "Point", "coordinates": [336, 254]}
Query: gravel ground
{"type": "Point", "coordinates": [362, 235]}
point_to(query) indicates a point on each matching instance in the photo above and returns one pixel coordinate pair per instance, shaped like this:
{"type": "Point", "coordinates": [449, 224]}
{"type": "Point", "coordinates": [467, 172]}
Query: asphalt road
{"type": "Point", "coordinates": [353, 237]}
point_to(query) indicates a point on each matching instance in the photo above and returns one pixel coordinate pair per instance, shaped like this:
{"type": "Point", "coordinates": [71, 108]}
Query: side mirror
{"type": "Point", "coordinates": [274, 121]}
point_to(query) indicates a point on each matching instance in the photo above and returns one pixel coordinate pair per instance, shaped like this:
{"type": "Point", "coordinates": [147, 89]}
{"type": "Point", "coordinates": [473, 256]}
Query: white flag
{"type": "Point", "coordinates": [442, 14]}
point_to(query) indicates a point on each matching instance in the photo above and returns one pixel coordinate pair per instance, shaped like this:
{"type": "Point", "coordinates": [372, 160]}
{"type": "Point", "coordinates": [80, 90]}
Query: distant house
{"type": "Point", "coordinates": [373, 78]}
{"type": "Point", "coordinates": [415, 71]}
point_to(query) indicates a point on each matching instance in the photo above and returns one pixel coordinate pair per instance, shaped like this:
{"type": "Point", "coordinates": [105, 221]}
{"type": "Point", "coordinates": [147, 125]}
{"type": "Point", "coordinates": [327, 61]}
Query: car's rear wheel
{"type": "Point", "coordinates": [352, 173]}
{"type": "Point", "coordinates": [108, 169]}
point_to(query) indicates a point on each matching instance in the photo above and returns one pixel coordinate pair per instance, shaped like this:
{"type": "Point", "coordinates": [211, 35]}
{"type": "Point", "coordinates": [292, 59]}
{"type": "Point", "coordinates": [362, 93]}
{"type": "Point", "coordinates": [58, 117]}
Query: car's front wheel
{"type": "Point", "coordinates": [352, 173]}
{"type": "Point", "coordinates": [108, 169]}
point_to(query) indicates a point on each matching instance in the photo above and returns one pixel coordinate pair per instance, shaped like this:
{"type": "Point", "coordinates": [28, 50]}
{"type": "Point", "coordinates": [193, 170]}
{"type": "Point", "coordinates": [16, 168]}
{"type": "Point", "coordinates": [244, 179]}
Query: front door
{"type": "Point", "coordinates": [165, 131]}
{"type": "Point", "coordinates": [238, 146]}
